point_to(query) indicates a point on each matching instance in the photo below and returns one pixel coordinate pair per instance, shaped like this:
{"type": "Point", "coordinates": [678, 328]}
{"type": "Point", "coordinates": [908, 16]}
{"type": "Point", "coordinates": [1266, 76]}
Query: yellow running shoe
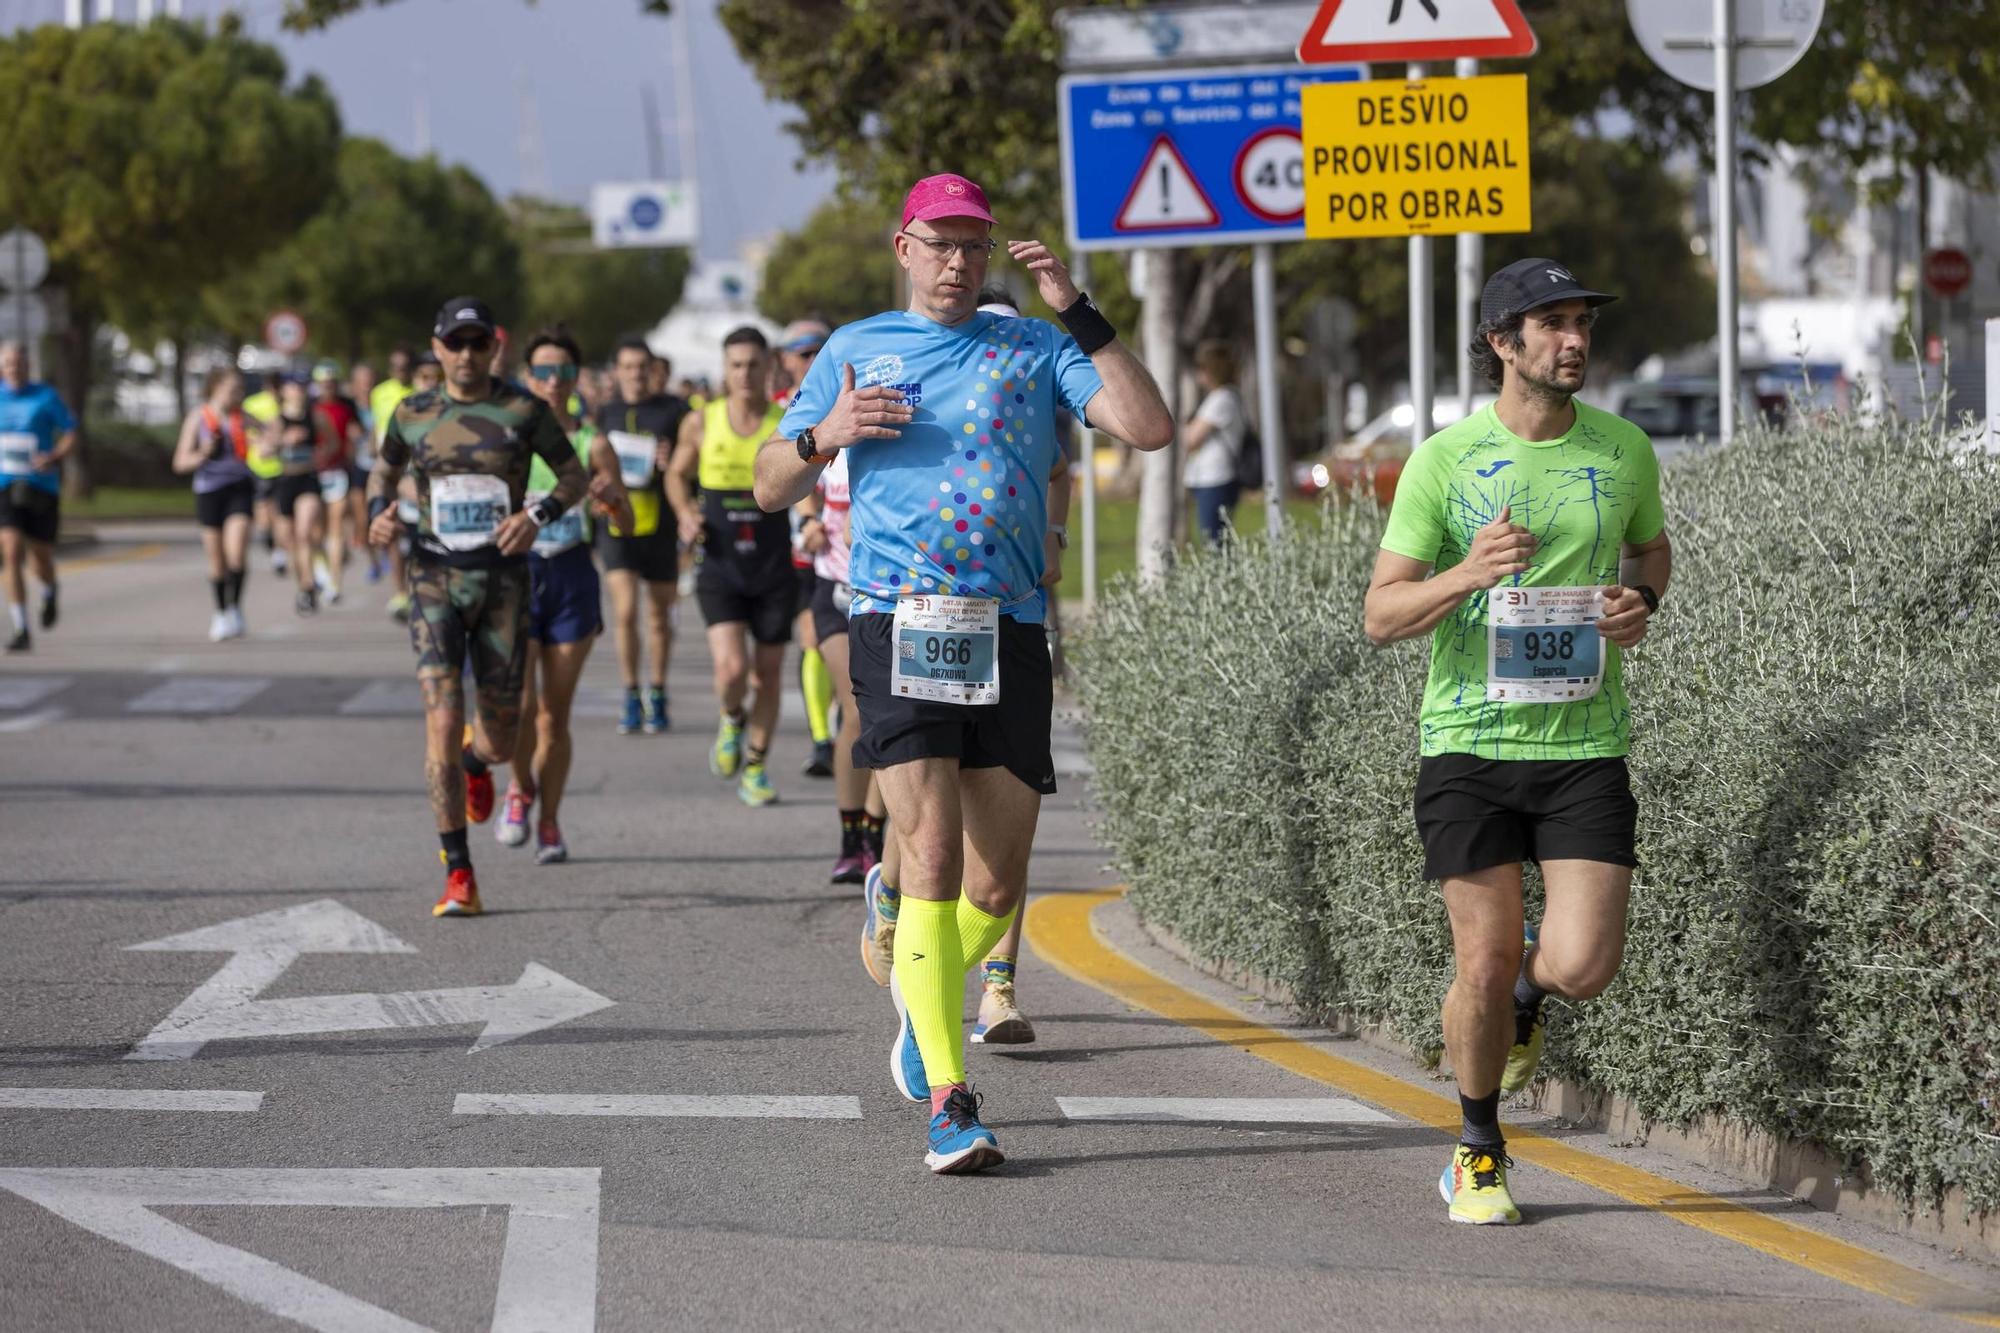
{"type": "Point", "coordinates": [755, 789]}
{"type": "Point", "coordinates": [1475, 1185]}
{"type": "Point", "coordinates": [1522, 1060]}
{"type": "Point", "coordinates": [727, 756]}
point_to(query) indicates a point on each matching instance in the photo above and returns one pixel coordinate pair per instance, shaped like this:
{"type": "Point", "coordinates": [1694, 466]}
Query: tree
{"type": "Point", "coordinates": [397, 236]}
{"type": "Point", "coordinates": [837, 266]}
{"type": "Point", "coordinates": [154, 160]}
{"type": "Point", "coordinates": [601, 295]}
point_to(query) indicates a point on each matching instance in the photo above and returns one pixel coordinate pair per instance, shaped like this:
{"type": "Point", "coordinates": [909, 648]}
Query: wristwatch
{"type": "Point", "coordinates": [809, 448]}
{"type": "Point", "coordinates": [1648, 596]}
{"type": "Point", "coordinates": [1060, 531]}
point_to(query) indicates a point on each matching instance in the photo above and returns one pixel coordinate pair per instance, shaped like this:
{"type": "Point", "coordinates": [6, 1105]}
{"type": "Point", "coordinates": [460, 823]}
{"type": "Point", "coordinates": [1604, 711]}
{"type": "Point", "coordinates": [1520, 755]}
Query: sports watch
{"type": "Point", "coordinates": [809, 448]}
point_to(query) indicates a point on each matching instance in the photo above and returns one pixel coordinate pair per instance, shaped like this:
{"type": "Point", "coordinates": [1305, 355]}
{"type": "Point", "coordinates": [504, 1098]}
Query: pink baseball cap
{"type": "Point", "coordinates": [945, 196]}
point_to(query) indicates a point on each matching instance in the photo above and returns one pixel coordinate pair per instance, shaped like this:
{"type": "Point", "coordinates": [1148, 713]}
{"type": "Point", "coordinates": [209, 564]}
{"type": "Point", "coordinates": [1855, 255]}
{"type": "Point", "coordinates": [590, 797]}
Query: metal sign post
{"type": "Point", "coordinates": [1471, 268]}
{"type": "Point", "coordinates": [1079, 271]}
{"type": "Point", "coordinates": [1264, 303]}
{"type": "Point", "coordinates": [1422, 375]}
{"type": "Point", "coordinates": [1725, 218]}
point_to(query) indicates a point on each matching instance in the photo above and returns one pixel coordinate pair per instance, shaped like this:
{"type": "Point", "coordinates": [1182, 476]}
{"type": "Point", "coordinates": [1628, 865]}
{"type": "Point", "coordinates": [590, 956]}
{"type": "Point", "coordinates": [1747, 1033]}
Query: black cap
{"type": "Point", "coordinates": [1527, 283]}
{"type": "Point", "coordinates": [463, 312]}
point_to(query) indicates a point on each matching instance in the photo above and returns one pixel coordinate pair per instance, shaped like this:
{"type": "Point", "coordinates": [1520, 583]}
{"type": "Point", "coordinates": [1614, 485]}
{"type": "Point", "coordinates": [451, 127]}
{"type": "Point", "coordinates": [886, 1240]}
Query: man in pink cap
{"type": "Point", "coordinates": [950, 416]}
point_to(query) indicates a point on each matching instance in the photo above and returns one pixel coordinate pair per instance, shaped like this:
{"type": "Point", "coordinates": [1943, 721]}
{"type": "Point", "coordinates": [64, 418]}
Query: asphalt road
{"type": "Point", "coordinates": [692, 956]}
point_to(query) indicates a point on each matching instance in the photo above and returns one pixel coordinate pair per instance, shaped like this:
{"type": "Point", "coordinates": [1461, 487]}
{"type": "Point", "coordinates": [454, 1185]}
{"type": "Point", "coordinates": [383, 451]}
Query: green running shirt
{"type": "Point", "coordinates": [1584, 496]}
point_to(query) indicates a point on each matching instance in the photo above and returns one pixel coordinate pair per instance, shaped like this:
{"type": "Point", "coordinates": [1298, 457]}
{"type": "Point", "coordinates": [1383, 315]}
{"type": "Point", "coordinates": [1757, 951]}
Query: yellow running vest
{"type": "Point", "coordinates": [729, 460]}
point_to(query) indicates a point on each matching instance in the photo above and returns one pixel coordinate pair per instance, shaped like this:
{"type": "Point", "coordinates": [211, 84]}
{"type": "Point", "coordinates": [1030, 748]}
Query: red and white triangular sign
{"type": "Point", "coordinates": [1165, 196]}
{"type": "Point", "coordinates": [1345, 30]}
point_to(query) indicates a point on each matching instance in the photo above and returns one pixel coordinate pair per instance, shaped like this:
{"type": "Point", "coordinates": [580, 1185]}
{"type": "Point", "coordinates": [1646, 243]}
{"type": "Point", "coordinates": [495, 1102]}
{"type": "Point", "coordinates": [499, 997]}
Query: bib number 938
{"type": "Point", "coordinates": [1543, 645]}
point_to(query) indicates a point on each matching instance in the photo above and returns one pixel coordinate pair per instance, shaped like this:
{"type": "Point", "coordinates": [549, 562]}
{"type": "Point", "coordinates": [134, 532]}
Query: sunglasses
{"type": "Point", "coordinates": [561, 372]}
{"type": "Point", "coordinates": [479, 343]}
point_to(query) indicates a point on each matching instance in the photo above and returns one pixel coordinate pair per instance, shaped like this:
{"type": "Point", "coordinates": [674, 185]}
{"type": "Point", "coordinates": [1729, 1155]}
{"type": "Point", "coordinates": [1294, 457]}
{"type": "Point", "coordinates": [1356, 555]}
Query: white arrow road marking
{"type": "Point", "coordinates": [548, 1268]}
{"type": "Point", "coordinates": [226, 1006]}
{"type": "Point", "coordinates": [127, 1099]}
{"type": "Point", "coordinates": [1243, 1110]}
{"type": "Point", "coordinates": [643, 1104]}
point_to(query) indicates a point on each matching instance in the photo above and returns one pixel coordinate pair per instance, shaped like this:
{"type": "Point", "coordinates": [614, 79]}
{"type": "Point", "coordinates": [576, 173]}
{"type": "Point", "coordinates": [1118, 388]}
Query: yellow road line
{"type": "Point", "coordinates": [1059, 926]}
{"type": "Point", "coordinates": [146, 552]}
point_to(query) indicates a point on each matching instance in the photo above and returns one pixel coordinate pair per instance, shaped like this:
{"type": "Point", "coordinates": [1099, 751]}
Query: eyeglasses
{"type": "Point", "coordinates": [475, 345]}
{"type": "Point", "coordinates": [565, 371]}
{"type": "Point", "coordinates": [974, 251]}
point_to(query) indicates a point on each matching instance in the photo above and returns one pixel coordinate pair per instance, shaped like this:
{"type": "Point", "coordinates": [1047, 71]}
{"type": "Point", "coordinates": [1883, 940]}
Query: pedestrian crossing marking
{"type": "Point", "coordinates": [200, 694]}
{"type": "Point", "coordinates": [27, 691]}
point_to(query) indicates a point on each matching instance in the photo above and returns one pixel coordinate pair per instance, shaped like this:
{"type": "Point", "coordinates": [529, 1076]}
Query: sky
{"type": "Point", "coordinates": [492, 76]}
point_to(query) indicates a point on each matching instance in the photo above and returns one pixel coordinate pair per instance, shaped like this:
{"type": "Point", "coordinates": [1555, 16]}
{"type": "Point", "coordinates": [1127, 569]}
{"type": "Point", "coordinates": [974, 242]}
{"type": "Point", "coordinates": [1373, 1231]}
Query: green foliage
{"type": "Point", "coordinates": [1812, 946]}
{"type": "Point", "coordinates": [602, 295]}
{"type": "Point", "coordinates": [397, 237]}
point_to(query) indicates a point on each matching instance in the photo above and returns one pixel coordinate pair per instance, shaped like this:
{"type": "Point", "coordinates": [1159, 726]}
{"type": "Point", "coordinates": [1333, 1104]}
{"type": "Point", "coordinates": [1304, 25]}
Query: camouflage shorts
{"type": "Point", "coordinates": [483, 611]}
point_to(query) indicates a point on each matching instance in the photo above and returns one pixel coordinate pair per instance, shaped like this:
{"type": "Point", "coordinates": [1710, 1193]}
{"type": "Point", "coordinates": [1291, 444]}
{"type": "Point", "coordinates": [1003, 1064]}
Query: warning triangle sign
{"type": "Point", "coordinates": [1345, 30]}
{"type": "Point", "coordinates": [1165, 196]}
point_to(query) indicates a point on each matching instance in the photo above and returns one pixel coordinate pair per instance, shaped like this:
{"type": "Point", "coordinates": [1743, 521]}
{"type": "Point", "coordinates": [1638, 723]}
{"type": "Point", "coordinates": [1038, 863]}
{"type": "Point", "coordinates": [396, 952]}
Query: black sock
{"type": "Point", "coordinates": [1481, 1121]}
{"type": "Point", "coordinates": [852, 821]}
{"type": "Point", "coordinates": [1528, 999]}
{"type": "Point", "coordinates": [754, 755]}
{"type": "Point", "coordinates": [236, 587]}
{"type": "Point", "coordinates": [270, 539]}
{"type": "Point", "coordinates": [221, 587]}
{"type": "Point", "coordinates": [740, 717]}
{"type": "Point", "coordinates": [472, 763]}
{"type": "Point", "coordinates": [457, 856]}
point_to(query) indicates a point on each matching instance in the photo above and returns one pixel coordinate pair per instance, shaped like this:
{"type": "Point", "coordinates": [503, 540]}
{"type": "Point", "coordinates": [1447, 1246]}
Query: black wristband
{"type": "Point", "coordinates": [545, 511]}
{"type": "Point", "coordinates": [376, 506]}
{"type": "Point", "coordinates": [1648, 596]}
{"type": "Point", "coordinates": [1087, 324]}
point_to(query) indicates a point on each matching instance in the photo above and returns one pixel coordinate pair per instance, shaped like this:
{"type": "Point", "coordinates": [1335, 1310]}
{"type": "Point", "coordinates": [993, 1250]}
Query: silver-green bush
{"type": "Point", "coordinates": [1813, 945]}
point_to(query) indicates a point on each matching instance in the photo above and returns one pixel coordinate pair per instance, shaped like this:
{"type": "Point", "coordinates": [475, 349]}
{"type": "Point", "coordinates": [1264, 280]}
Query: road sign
{"type": "Point", "coordinates": [285, 331]}
{"type": "Point", "coordinates": [24, 315]}
{"type": "Point", "coordinates": [1679, 35]}
{"type": "Point", "coordinates": [24, 260]}
{"type": "Point", "coordinates": [642, 215]}
{"type": "Point", "coordinates": [1154, 158]}
{"type": "Point", "coordinates": [1110, 37]}
{"type": "Point", "coordinates": [1271, 175]}
{"type": "Point", "coordinates": [226, 1006]}
{"type": "Point", "coordinates": [1947, 272]}
{"type": "Point", "coordinates": [1417, 30]}
{"type": "Point", "coordinates": [1389, 158]}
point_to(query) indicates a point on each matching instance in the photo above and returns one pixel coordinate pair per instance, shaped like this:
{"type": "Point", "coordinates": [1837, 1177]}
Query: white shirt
{"type": "Point", "coordinates": [1214, 463]}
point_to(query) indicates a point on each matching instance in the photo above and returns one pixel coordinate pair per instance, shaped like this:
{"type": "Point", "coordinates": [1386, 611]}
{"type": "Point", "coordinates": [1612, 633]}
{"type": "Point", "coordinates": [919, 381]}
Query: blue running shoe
{"type": "Point", "coordinates": [878, 933]}
{"type": "Point", "coordinates": [959, 1143]}
{"type": "Point", "coordinates": [906, 1062]}
{"type": "Point", "coordinates": [656, 712]}
{"type": "Point", "coordinates": [634, 715]}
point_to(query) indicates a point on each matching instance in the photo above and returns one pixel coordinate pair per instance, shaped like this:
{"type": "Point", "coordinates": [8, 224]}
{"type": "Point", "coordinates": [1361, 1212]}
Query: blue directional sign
{"type": "Point", "coordinates": [1186, 157]}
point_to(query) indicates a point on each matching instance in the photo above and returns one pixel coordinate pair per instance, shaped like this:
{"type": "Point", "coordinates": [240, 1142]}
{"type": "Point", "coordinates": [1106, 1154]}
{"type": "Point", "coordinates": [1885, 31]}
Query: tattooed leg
{"type": "Point", "coordinates": [444, 726]}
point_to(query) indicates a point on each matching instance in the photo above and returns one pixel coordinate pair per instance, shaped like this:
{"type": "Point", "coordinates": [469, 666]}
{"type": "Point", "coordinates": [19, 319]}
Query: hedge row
{"type": "Point", "coordinates": [1813, 946]}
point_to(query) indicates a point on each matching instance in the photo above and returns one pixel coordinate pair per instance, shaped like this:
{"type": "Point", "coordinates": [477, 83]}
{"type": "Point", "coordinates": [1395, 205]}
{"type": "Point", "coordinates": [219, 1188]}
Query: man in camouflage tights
{"type": "Point", "coordinates": [469, 444]}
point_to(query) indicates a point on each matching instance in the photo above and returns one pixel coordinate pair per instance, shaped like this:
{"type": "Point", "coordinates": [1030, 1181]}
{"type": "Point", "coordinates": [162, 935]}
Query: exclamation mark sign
{"type": "Point", "coordinates": [1166, 193]}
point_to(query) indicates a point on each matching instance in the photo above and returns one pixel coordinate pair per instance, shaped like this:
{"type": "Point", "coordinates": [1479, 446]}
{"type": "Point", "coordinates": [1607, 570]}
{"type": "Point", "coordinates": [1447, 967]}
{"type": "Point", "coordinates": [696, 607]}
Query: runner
{"type": "Point", "coordinates": [428, 373]}
{"type": "Point", "coordinates": [797, 346]}
{"type": "Point", "coordinates": [214, 446]}
{"type": "Point", "coordinates": [36, 433]}
{"type": "Point", "coordinates": [341, 480]}
{"type": "Point", "coordinates": [564, 599]}
{"type": "Point", "coordinates": [469, 446]}
{"type": "Point", "coordinates": [745, 584]}
{"type": "Point", "coordinates": [950, 665]}
{"type": "Point", "coordinates": [303, 445]}
{"type": "Point", "coordinates": [1524, 540]}
{"type": "Point", "coordinates": [641, 426]}
{"type": "Point", "coordinates": [273, 530]}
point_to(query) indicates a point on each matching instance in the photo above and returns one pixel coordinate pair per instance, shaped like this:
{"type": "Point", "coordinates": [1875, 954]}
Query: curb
{"type": "Point", "coordinates": [1804, 1170]}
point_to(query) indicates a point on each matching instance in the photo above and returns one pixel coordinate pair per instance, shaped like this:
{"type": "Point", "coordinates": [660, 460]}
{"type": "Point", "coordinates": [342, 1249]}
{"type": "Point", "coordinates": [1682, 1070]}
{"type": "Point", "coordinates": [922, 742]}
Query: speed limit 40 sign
{"type": "Point", "coordinates": [1271, 175]}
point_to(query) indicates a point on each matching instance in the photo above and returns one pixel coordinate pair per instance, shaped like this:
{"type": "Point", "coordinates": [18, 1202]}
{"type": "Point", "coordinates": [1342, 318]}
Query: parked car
{"type": "Point", "coordinates": [1375, 455]}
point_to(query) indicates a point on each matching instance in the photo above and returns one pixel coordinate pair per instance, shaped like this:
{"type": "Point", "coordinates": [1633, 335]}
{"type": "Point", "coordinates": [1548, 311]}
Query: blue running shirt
{"type": "Point", "coordinates": [34, 411]}
{"type": "Point", "coordinates": [958, 503]}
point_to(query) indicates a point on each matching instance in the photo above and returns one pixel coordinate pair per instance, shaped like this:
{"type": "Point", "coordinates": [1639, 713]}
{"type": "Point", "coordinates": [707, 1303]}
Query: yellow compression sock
{"type": "Point", "coordinates": [978, 932]}
{"type": "Point", "coordinates": [931, 973]}
{"type": "Point", "coordinates": [816, 684]}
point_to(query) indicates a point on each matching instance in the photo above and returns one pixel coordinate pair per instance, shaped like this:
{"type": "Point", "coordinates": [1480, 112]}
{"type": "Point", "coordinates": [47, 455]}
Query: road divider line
{"type": "Point", "coordinates": [145, 552]}
{"type": "Point", "coordinates": [128, 1099]}
{"type": "Point", "coordinates": [1061, 930]}
{"type": "Point", "coordinates": [657, 1104]}
{"type": "Point", "coordinates": [1226, 1110]}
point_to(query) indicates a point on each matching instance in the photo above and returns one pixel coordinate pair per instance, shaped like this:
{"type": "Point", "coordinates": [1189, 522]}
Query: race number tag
{"type": "Point", "coordinates": [17, 452]}
{"type": "Point", "coordinates": [560, 534]}
{"type": "Point", "coordinates": [333, 485]}
{"type": "Point", "coordinates": [1542, 645]}
{"type": "Point", "coordinates": [465, 509]}
{"type": "Point", "coordinates": [635, 455]}
{"type": "Point", "coordinates": [947, 649]}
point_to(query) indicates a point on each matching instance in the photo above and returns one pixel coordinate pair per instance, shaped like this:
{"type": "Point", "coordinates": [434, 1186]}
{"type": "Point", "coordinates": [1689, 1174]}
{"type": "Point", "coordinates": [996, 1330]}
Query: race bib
{"type": "Point", "coordinates": [635, 455]}
{"type": "Point", "coordinates": [557, 536]}
{"type": "Point", "coordinates": [1542, 645]}
{"type": "Point", "coordinates": [333, 485]}
{"type": "Point", "coordinates": [17, 452]}
{"type": "Point", "coordinates": [947, 649]}
{"type": "Point", "coordinates": [465, 509]}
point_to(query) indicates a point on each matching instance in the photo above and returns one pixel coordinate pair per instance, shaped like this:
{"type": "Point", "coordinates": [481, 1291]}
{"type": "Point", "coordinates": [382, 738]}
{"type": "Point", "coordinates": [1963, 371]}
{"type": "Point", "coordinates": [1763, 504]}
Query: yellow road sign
{"type": "Point", "coordinates": [1395, 158]}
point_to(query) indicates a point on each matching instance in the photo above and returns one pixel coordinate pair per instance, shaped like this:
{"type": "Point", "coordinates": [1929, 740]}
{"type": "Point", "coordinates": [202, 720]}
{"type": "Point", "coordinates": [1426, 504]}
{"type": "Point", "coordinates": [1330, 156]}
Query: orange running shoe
{"type": "Point", "coordinates": [479, 797]}
{"type": "Point", "coordinates": [461, 895]}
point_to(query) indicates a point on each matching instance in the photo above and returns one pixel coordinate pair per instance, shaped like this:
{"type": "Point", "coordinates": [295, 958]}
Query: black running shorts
{"type": "Point", "coordinates": [1474, 814]}
{"type": "Point", "coordinates": [655, 557]}
{"type": "Point", "coordinates": [30, 510]}
{"type": "Point", "coordinates": [213, 508]}
{"type": "Point", "coordinates": [829, 608]}
{"type": "Point", "coordinates": [287, 491]}
{"type": "Point", "coordinates": [1012, 734]}
{"type": "Point", "coordinates": [764, 598]}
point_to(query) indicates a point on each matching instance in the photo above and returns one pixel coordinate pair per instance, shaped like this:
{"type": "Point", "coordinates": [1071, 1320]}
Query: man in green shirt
{"type": "Point", "coordinates": [1529, 542]}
